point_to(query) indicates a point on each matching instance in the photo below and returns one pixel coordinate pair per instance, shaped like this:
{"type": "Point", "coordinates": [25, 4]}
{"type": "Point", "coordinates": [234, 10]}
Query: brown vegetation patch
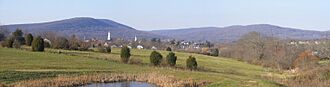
{"type": "Point", "coordinates": [317, 77]}
{"type": "Point", "coordinates": [2, 85]}
{"type": "Point", "coordinates": [154, 78]}
{"type": "Point", "coordinates": [306, 59]}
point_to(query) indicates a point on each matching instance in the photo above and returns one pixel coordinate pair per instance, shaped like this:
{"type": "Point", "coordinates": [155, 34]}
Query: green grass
{"type": "Point", "coordinates": [324, 62]}
{"type": "Point", "coordinates": [222, 72]}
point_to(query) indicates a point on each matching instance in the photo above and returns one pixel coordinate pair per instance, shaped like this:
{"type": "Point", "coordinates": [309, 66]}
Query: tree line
{"type": "Point", "coordinates": [38, 44]}
{"type": "Point", "coordinates": [272, 52]}
{"type": "Point", "coordinates": [156, 59]}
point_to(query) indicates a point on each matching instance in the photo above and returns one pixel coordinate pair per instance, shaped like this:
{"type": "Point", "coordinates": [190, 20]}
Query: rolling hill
{"type": "Point", "coordinates": [98, 28]}
{"type": "Point", "coordinates": [85, 27]}
{"type": "Point", "coordinates": [23, 67]}
{"type": "Point", "coordinates": [232, 33]}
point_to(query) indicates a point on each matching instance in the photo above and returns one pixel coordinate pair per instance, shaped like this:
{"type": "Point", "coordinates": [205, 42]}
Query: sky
{"type": "Point", "coordinates": [174, 14]}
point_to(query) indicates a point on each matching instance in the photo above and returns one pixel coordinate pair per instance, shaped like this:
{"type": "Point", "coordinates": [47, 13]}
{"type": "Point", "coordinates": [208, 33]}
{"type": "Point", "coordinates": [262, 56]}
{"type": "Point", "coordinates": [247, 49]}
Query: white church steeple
{"type": "Point", "coordinates": [135, 39]}
{"type": "Point", "coordinates": [109, 36]}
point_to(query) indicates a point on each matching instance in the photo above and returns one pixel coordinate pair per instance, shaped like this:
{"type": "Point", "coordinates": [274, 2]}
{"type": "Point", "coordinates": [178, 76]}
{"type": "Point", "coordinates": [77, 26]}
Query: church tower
{"type": "Point", "coordinates": [135, 39]}
{"type": "Point", "coordinates": [109, 36]}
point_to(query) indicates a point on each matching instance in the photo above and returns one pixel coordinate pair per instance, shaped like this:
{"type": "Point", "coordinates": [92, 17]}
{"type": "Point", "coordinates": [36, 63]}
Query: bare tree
{"type": "Point", "coordinates": [254, 45]}
{"type": "Point", "coordinates": [48, 35]}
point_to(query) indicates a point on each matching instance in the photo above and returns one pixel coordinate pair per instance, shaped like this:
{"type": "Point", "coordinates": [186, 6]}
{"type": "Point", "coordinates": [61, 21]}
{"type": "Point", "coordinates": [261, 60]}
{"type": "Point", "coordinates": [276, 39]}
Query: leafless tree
{"type": "Point", "coordinates": [48, 35]}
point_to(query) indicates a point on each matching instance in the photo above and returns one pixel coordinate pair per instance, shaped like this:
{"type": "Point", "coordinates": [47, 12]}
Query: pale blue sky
{"type": "Point", "coordinates": [166, 14]}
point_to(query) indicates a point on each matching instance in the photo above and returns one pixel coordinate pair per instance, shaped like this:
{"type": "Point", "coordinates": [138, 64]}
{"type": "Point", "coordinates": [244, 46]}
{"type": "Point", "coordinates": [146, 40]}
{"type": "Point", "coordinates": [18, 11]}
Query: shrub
{"type": "Point", "coordinates": [103, 49]}
{"type": "Point", "coordinates": [155, 58]}
{"type": "Point", "coordinates": [125, 54]}
{"type": "Point", "coordinates": [214, 52]}
{"type": "Point", "coordinates": [3, 43]}
{"type": "Point", "coordinates": [38, 44]}
{"type": "Point", "coordinates": [73, 45]}
{"type": "Point", "coordinates": [108, 49]}
{"type": "Point", "coordinates": [47, 44]}
{"type": "Point", "coordinates": [135, 61]}
{"type": "Point", "coordinates": [28, 39]}
{"type": "Point", "coordinates": [9, 42]}
{"type": "Point", "coordinates": [168, 49]}
{"type": "Point", "coordinates": [100, 49]}
{"type": "Point", "coordinates": [16, 44]}
{"type": "Point", "coordinates": [20, 39]}
{"type": "Point", "coordinates": [171, 59]}
{"type": "Point", "coordinates": [191, 63]}
{"type": "Point", "coordinates": [60, 43]}
{"type": "Point", "coordinates": [84, 46]}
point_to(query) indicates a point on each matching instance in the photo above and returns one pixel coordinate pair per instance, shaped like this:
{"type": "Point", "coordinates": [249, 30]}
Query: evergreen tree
{"type": "Point", "coordinates": [20, 39]}
{"type": "Point", "coordinates": [125, 54]}
{"type": "Point", "coordinates": [155, 58]}
{"type": "Point", "coordinates": [191, 63]}
{"type": "Point", "coordinates": [171, 59]}
{"type": "Point", "coordinates": [168, 49]}
{"type": "Point", "coordinates": [38, 44]}
{"type": "Point", "coordinates": [214, 52]}
{"type": "Point", "coordinates": [9, 42]}
{"type": "Point", "coordinates": [108, 49]}
{"type": "Point", "coordinates": [18, 33]}
{"type": "Point", "coordinates": [28, 39]}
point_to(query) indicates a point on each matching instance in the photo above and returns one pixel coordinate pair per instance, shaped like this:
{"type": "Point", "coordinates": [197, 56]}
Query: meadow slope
{"type": "Point", "coordinates": [21, 65]}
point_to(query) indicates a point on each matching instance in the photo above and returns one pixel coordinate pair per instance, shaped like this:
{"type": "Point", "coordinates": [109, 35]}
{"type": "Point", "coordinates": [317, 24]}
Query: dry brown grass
{"type": "Point", "coordinates": [2, 85]}
{"type": "Point", "coordinates": [135, 61]}
{"type": "Point", "coordinates": [154, 78]}
{"type": "Point", "coordinates": [317, 77]}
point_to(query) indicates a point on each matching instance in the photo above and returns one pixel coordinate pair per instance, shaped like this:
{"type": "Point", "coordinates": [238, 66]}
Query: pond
{"type": "Point", "coordinates": [121, 84]}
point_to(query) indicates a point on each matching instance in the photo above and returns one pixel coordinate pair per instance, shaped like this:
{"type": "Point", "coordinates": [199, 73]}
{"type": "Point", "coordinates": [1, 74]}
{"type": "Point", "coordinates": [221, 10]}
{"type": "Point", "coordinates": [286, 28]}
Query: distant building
{"type": "Point", "coordinates": [139, 47]}
{"type": "Point", "coordinates": [311, 42]}
{"type": "Point", "coordinates": [114, 46]}
{"type": "Point", "coordinates": [129, 47]}
{"type": "Point", "coordinates": [154, 48]}
{"type": "Point", "coordinates": [48, 41]}
{"type": "Point", "coordinates": [106, 44]}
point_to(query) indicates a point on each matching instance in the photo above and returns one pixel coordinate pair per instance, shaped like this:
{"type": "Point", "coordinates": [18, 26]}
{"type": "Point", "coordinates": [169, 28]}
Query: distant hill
{"type": "Point", "coordinates": [232, 33]}
{"type": "Point", "coordinates": [98, 28]}
{"type": "Point", "coordinates": [85, 26]}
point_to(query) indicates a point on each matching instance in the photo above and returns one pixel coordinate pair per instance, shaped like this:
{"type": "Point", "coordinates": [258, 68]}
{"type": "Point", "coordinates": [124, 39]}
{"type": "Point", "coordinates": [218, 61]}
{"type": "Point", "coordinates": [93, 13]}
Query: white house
{"type": "Point", "coordinates": [129, 47]}
{"type": "Point", "coordinates": [106, 44]}
{"type": "Point", "coordinates": [113, 46]}
{"type": "Point", "coordinates": [154, 48]}
{"type": "Point", "coordinates": [139, 47]}
{"type": "Point", "coordinates": [48, 41]}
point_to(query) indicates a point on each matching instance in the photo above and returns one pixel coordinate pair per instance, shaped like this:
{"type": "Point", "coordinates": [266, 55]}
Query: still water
{"type": "Point", "coordinates": [121, 84]}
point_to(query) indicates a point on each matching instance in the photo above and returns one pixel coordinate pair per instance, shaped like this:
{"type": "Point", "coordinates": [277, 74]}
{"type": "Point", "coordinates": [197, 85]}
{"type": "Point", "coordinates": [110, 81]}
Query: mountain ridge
{"type": "Point", "coordinates": [234, 32]}
{"type": "Point", "coordinates": [85, 27]}
{"type": "Point", "coordinates": [97, 28]}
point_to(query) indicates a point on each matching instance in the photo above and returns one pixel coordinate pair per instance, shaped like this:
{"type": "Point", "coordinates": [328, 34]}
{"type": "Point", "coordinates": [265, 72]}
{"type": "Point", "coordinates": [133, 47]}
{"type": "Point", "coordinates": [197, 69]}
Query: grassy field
{"type": "Point", "coordinates": [18, 65]}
